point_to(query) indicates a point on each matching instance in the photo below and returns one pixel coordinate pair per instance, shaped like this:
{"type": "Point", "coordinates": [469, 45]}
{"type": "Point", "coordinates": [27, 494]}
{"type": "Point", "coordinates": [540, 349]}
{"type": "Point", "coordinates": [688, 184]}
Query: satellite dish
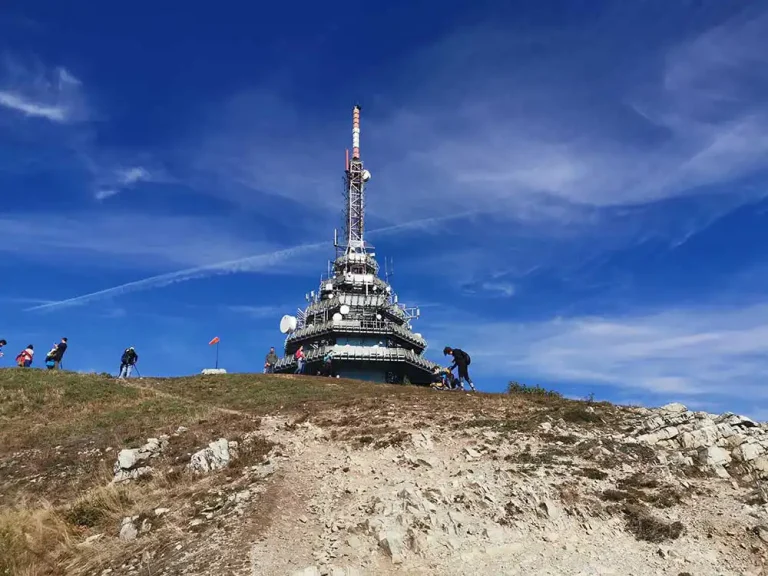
{"type": "Point", "coordinates": [418, 335]}
{"type": "Point", "coordinates": [287, 324]}
{"type": "Point", "coordinates": [344, 309]}
{"type": "Point", "coordinates": [378, 316]}
{"type": "Point", "coordinates": [337, 317]}
{"type": "Point", "coordinates": [366, 175]}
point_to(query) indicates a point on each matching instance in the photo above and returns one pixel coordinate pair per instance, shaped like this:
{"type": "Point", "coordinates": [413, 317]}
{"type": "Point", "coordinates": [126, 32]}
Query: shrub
{"type": "Point", "coordinates": [518, 388]}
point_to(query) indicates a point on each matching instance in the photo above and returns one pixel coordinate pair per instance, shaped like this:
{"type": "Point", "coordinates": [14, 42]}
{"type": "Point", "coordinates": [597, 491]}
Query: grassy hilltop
{"type": "Point", "coordinates": [319, 457]}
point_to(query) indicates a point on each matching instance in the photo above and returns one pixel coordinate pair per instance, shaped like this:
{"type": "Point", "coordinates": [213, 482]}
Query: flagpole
{"type": "Point", "coordinates": [217, 355]}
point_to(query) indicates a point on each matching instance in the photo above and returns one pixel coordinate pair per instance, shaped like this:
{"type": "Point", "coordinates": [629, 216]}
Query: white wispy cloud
{"type": "Point", "coordinates": [29, 108]}
{"type": "Point", "coordinates": [34, 91]}
{"type": "Point", "coordinates": [256, 263]}
{"type": "Point", "coordinates": [110, 182]}
{"type": "Point", "coordinates": [513, 135]}
{"type": "Point", "coordinates": [710, 353]}
{"type": "Point", "coordinates": [269, 261]}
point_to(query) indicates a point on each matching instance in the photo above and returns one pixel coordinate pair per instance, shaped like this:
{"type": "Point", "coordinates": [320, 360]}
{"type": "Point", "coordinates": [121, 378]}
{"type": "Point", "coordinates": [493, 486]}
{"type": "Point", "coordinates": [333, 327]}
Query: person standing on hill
{"type": "Point", "coordinates": [58, 354]}
{"type": "Point", "coordinates": [461, 360]}
{"type": "Point", "coordinates": [127, 362]}
{"type": "Point", "coordinates": [2, 343]}
{"type": "Point", "coordinates": [270, 361]}
{"type": "Point", "coordinates": [25, 357]}
{"type": "Point", "coordinates": [299, 356]}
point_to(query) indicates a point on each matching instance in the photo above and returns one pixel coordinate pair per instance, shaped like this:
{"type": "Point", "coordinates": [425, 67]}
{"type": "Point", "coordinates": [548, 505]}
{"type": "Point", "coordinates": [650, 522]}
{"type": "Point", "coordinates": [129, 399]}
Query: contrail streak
{"type": "Point", "coordinates": [247, 264]}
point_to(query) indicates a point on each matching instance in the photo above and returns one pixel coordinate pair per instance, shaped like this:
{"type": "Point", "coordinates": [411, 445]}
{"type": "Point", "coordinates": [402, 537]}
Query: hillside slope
{"type": "Point", "coordinates": [273, 475]}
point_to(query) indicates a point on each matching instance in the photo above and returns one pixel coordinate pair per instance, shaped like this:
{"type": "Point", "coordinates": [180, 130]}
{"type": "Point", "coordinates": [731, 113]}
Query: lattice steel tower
{"type": "Point", "coordinates": [355, 317]}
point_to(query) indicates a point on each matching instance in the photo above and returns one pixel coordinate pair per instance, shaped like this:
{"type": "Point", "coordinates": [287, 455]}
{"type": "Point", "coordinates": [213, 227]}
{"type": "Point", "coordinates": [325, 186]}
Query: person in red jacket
{"type": "Point", "coordinates": [299, 360]}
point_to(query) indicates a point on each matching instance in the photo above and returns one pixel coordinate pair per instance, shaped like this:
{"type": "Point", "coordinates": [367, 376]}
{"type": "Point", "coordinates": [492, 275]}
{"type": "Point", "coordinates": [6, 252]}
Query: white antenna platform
{"type": "Point", "coordinates": [287, 324]}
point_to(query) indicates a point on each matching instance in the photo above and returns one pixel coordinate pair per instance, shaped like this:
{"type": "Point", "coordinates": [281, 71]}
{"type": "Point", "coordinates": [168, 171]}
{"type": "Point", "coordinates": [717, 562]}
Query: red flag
{"type": "Point", "coordinates": [214, 341]}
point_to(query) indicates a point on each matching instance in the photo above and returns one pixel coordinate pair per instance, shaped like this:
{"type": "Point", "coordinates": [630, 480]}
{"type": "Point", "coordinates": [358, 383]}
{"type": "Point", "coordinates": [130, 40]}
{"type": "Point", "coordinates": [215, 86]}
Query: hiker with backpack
{"type": "Point", "coordinates": [127, 362]}
{"type": "Point", "coordinates": [25, 357]}
{"type": "Point", "coordinates": [461, 360]}
{"type": "Point", "coordinates": [2, 343]}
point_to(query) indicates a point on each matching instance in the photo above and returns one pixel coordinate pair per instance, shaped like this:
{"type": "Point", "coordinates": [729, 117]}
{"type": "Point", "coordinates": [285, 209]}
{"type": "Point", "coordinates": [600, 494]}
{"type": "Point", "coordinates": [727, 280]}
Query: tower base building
{"type": "Point", "coordinates": [353, 325]}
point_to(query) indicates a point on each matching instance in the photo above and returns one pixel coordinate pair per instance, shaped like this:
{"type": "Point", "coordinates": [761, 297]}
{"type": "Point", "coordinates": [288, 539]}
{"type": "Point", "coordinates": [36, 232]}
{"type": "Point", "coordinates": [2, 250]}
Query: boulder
{"type": "Point", "coordinates": [392, 542]}
{"type": "Point", "coordinates": [736, 420]}
{"type": "Point", "coordinates": [673, 408]}
{"type": "Point", "coordinates": [132, 462]}
{"type": "Point", "coordinates": [216, 456]}
{"type": "Point", "coordinates": [714, 456]}
{"type": "Point", "coordinates": [748, 451]}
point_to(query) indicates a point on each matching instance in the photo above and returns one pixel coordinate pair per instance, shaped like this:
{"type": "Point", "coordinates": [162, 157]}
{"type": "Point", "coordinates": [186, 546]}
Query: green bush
{"type": "Point", "coordinates": [518, 388]}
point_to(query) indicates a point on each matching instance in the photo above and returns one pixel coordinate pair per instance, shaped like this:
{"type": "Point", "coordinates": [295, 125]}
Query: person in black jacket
{"type": "Point", "coordinates": [58, 355]}
{"type": "Point", "coordinates": [2, 343]}
{"type": "Point", "coordinates": [127, 362]}
{"type": "Point", "coordinates": [461, 360]}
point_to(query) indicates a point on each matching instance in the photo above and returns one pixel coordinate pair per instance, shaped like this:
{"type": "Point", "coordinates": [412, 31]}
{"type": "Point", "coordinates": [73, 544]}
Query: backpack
{"type": "Point", "coordinates": [467, 359]}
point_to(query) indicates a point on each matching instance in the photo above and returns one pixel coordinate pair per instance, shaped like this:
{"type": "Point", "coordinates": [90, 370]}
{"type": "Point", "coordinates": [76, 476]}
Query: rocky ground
{"type": "Point", "coordinates": [414, 484]}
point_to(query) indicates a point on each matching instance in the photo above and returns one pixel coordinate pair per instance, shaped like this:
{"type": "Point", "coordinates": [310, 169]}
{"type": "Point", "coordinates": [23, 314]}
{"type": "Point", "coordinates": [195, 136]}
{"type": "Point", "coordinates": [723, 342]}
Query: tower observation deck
{"type": "Point", "coordinates": [355, 316]}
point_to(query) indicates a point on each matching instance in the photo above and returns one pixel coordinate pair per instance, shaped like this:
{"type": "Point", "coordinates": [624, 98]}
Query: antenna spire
{"type": "Point", "coordinates": [356, 132]}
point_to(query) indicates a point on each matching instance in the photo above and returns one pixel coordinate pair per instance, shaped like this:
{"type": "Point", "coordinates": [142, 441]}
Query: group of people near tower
{"type": "Point", "coordinates": [25, 358]}
{"type": "Point", "coordinates": [442, 378]}
{"type": "Point", "coordinates": [55, 355]}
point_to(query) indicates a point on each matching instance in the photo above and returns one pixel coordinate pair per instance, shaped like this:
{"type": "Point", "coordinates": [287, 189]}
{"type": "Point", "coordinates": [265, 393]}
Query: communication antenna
{"type": "Point", "coordinates": [288, 324]}
{"type": "Point", "coordinates": [389, 268]}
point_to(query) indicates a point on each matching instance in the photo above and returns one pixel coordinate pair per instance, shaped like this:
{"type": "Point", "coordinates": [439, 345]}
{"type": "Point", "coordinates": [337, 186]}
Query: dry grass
{"type": "Point", "coordinates": [59, 434]}
{"type": "Point", "coordinates": [645, 526]}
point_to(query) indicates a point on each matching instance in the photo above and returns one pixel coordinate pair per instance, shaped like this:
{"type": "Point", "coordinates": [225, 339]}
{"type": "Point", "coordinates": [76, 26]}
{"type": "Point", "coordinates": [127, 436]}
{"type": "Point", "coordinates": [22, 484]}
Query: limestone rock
{"type": "Point", "coordinates": [132, 462]}
{"type": "Point", "coordinates": [674, 408]}
{"type": "Point", "coordinates": [714, 456]}
{"type": "Point", "coordinates": [392, 542]}
{"type": "Point", "coordinates": [128, 529]}
{"type": "Point", "coordinates": [216, 456]}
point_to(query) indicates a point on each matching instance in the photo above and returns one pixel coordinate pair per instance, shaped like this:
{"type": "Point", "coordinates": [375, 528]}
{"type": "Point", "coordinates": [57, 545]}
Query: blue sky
{"type": "Point", "coordinates": [574, 192]}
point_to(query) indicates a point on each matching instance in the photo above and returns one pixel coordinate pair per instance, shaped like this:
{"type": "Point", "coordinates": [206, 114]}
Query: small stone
{"type": "Point", "coordinates": [93, 538]}
{"type": "Point", "coordinates": [471, 452]}
{"type": "Point", "coordinates": [303, 519]}
{"type": "Point", "coordinates": [128, 530]}
{"type": "Point", "coordinates": [161, 511]}
{"type": "Point", "coordinates": [545, 426]}
{"type": "Point", "coordinates": [550, 537]}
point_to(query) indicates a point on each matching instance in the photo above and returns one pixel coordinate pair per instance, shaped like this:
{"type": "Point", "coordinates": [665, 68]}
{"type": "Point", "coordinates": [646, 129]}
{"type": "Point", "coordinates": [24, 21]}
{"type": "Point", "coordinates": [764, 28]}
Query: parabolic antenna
{"type": "Point", "coordinates": [287, 324]}
{"type": "Point", "coordinates": [378, 316]}
{"type": "Point", "coordinates": [366, 175]}
{"type": "Point", "coordinates": [344, 309]}
{"type": "Point", "coordinates": [337, 317]}
{"type": "Point", "coordinates": [417, 334]}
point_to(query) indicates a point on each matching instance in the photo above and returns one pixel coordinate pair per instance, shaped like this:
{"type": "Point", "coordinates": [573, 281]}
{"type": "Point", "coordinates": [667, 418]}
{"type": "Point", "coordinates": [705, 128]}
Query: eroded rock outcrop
{"type": "Point", "coordinates": [727, 443]}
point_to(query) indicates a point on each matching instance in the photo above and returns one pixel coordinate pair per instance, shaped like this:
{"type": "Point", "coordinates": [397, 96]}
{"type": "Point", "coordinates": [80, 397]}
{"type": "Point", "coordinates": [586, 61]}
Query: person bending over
{"type": "Point", "coordinates": [461, 361]}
